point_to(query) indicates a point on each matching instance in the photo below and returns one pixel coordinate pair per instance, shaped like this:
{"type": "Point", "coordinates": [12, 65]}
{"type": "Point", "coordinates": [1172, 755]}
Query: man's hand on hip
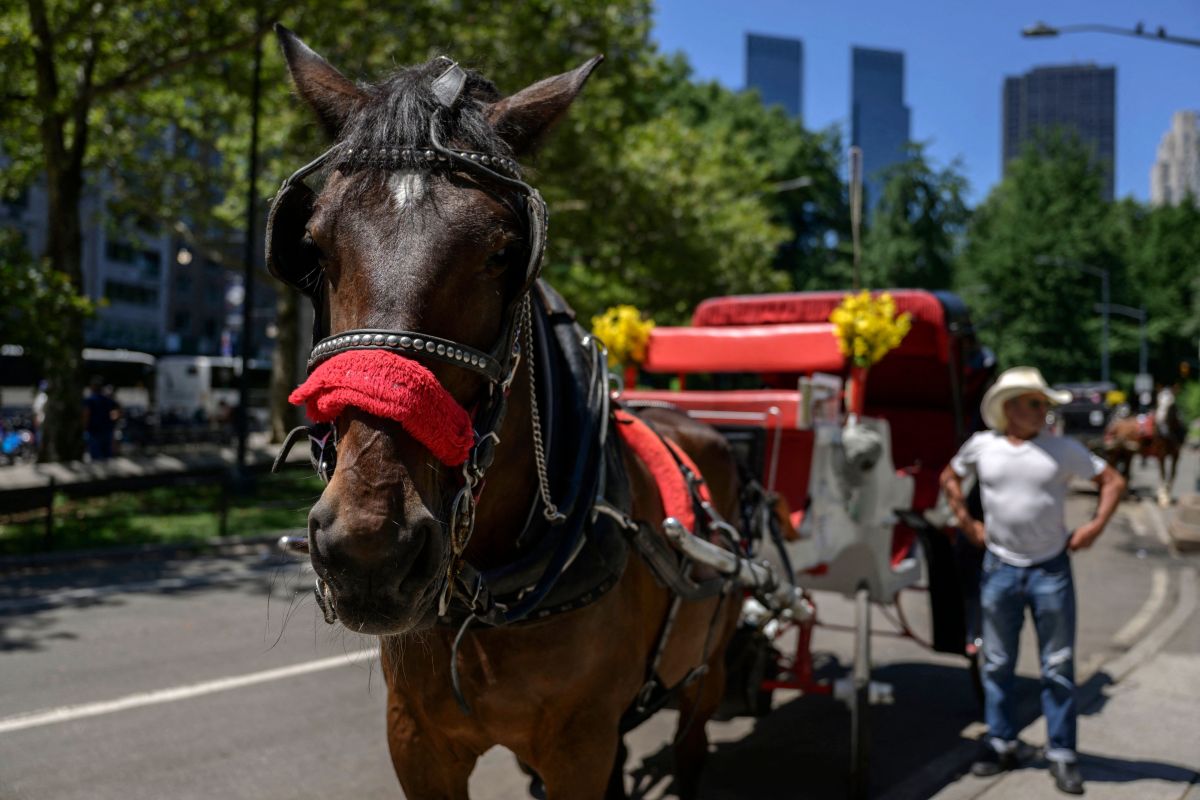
{"type": "Point", "coordinates": [976, 533]}
{"type": "Point", "coordinates": [1083, 536]}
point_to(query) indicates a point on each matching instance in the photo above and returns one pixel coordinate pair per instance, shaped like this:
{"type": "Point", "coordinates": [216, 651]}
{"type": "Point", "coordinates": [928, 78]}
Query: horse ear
{"type": "Point", "coordinates": [332, 95]}
{"type": "Point", "coordinates": [524, 118]}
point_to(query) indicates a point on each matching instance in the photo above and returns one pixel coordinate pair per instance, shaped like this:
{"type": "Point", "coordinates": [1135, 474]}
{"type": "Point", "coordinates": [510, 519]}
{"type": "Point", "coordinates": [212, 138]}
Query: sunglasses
{"type": "Point", "coordinates": [1032, 403]}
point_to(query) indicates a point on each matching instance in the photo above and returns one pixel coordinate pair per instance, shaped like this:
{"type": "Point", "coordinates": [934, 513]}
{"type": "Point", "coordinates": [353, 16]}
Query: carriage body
{"type": "Point", "coordinates": [766, 371]}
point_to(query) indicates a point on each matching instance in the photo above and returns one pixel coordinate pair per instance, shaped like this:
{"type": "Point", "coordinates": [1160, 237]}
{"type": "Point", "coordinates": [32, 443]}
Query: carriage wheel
{"type": "Point", "coordinates": [860, 704]}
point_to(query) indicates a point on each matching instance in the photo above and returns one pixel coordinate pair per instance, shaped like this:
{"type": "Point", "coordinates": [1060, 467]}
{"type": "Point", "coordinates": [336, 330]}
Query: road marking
{"type": "Point", "coordinates": [1160, 526]}
{"type": "Point", "coordinates": [1136, 523]}
{"type": "Point", "coordinates": [1132, 629]}
{"type": "Point", "coordinates": [1186, 601]}
{"type": "Point", "coordinates": [52, 716]}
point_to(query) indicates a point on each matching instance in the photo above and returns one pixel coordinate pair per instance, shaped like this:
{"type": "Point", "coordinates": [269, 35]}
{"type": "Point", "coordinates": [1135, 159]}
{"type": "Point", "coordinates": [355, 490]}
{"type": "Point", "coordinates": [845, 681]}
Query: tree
{"type": "Point", "coordinates": [815, 254]}
{"type": "Point", "coordinates": [918, 228]}
{"type": "Point", "coordinates": [33, 295]}
{"type": "Point", "coordinates": [654, 197]}
{"type": "Point", "coordinates": [80, 81]}
{"type": "Point", "coordinates": [1161, 247]}
{"type": "Point", "coordinates": [1031, 307]}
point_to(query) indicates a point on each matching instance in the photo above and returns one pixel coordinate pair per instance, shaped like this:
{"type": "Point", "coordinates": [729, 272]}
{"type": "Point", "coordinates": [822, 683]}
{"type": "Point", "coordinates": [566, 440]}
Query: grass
{"type": "Point", "coordinates": [170, 515]}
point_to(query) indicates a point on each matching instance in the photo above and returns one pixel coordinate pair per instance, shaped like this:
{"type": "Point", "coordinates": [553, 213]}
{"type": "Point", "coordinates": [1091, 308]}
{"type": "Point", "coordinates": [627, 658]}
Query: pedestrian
{"type": "Point", "coordinates": [1024, 472]}
{"type": "Point", "coordinates": [40, 400]}
{"type": "Point", "coordinates": [100, 413]}
{"type": "Point", "coordinates": [1166, 413]}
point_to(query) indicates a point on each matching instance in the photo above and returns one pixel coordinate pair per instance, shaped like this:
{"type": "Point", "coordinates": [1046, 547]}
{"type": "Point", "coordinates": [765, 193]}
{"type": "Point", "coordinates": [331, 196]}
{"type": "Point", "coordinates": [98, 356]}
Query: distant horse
{"type": "Point", "coordinates": [424, 242]}
{"type": "Point", "coordinates": [1140, 435]}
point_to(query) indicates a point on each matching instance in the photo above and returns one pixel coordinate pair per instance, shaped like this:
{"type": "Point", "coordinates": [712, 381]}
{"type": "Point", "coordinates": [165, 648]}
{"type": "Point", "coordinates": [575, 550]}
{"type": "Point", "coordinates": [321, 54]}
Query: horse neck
{"type": "Point", "coordinates": [510, 483]}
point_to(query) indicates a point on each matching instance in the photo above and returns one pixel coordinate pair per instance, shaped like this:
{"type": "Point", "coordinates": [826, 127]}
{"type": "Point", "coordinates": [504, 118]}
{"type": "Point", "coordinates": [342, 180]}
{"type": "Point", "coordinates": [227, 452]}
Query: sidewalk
{"type": "Point", "coordinates": [1139, 732]}
{"type": "Point", "coordinates": [1140, 739]}
{"type": "Point", "coordinates": [260, 453]}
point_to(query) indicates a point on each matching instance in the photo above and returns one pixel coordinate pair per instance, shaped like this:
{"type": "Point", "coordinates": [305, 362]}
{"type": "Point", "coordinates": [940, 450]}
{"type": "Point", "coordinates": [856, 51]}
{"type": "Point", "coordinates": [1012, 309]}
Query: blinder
{"type": "Point", "coordinates": [287, 258]}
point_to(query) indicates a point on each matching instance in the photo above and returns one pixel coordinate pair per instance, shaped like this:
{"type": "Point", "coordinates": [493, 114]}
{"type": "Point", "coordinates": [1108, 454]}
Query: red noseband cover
{"type": "Point", "coordinates": [393, 387]}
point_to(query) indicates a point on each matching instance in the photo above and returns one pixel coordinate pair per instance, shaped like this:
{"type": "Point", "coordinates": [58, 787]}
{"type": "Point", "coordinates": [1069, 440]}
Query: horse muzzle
{"type": "Point", "coordinates": [374, 575]}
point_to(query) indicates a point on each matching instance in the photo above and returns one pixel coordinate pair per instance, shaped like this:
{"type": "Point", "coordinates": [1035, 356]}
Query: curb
{"type": "Point", "coordinates": [943, 770]}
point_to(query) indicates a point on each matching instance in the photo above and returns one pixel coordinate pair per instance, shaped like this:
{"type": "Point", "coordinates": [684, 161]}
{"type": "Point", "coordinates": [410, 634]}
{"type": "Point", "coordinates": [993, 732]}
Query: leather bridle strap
{"type": "Point", "coordinates": [408, 344]}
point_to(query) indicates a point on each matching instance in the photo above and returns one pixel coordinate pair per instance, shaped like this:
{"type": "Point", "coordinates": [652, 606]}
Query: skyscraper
{"type": "Point", "coordinates": [879, 120]}
{"type": "Point", "coordinates": [1075, 98]}
{"type": "Point", "coordinates": [775, 66]}
{"type": "Point", "coordinates": [1176, 172]}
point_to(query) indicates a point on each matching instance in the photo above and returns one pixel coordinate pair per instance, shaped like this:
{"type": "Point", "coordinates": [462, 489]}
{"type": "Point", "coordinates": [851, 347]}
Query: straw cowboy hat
{"type": "Point", "coordinates": [1014, 383]}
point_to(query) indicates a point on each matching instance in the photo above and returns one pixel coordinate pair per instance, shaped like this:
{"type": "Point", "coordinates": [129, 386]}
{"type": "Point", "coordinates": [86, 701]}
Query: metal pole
{"type": "Point", "coordinates": [856, 178]}
{"type": "Point", "coordinates": [1042, 30]}
{"type": "Point", "coordinates": [1142, 344]}
{"type": "Point", "coordinates": [1104, 373]}
{"type": "Point", "coordinates": [251, 249]}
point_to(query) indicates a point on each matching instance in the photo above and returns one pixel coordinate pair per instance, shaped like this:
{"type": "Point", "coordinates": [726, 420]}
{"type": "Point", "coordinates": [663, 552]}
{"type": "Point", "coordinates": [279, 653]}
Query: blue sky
{"type": "Point", "coordinates": [956, 57]}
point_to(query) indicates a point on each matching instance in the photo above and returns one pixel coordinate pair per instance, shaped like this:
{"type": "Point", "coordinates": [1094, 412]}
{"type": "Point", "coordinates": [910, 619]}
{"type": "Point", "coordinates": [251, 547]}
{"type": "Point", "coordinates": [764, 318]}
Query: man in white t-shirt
{"type": "Point", "coordinates": [1024, 473]}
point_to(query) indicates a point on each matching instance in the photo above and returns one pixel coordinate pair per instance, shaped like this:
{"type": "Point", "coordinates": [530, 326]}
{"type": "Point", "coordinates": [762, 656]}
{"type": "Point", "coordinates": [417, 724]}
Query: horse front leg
{"type": "Point", "coordinates": [697, 704]}
{"type": "Point", "coordinates": [576, 759]}
{"type": "Point", "coordinates": [1164, 488]}
{"type": "Point", "coordinates": [427, 764]}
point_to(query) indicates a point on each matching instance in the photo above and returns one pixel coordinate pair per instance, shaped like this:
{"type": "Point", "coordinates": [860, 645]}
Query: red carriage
{"type": "Point", "coordinates": [766, 371]}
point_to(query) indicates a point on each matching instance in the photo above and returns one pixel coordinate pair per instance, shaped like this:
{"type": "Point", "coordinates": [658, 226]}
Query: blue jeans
{"type": "Point", "coordinates": [1049, 591]}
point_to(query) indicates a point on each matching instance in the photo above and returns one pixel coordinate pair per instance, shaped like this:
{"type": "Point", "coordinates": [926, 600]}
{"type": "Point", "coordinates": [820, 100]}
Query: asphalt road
{"type": "Point", "coordinates": [215, 678]}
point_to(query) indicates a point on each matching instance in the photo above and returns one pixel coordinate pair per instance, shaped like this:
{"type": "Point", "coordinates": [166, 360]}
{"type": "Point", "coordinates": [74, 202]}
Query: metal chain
{"type": "Point", "coordinates": [550, 512]}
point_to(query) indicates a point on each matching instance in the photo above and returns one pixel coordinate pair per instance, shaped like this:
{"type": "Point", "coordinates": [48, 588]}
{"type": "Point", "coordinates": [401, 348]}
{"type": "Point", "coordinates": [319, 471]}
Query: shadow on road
{"type": "Point", "coordinates": [28, 601]}
{"type": "Point", "coordinates": [802, 747]}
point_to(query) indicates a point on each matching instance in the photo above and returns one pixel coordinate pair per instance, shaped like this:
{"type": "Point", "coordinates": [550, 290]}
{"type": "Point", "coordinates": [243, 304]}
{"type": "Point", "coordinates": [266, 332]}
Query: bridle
{"type": "Point", "coordinates": [497, 367]}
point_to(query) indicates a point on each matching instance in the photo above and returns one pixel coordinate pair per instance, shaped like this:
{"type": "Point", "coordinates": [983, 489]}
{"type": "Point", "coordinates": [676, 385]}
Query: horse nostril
{"type": "Point", "coordinates": [320, 520]}
{"type": "Point", "coordinates": [422, 529]}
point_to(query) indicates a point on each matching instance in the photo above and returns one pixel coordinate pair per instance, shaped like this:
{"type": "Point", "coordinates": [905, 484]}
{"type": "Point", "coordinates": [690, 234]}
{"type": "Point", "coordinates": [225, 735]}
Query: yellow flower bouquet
{"type": "Point", "coordinates": [625, 333]}
{"type": "Point", "coordinates": [867, 328]}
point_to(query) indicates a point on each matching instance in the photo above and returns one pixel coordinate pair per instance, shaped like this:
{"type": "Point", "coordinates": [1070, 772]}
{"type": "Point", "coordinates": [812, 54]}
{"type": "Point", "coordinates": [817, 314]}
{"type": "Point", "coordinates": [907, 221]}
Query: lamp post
{"type": "Point", "coordinates": [251, 248]}
{"type": "Point", "coordinates": [1104, 300]}
{"type": "Point", "coordinates": [1043, 31]}
{"type": "Point", "coordinates": [1140, 315]}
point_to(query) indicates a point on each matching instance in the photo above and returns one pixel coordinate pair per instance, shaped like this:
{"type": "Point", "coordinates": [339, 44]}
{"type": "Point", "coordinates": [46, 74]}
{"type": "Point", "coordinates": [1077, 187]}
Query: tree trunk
{"type": "Point", "coordinates": [63, 364]}
{"type": "Point", "coordinates": [284, 416]}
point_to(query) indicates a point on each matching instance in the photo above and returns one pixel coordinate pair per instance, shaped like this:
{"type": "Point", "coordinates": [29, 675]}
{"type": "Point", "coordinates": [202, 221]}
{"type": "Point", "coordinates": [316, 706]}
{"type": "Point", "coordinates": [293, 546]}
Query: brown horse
{"type": "Point", "coordinates": [1126, 437]}
{"type": "Point", "coordinates": [419, 240]}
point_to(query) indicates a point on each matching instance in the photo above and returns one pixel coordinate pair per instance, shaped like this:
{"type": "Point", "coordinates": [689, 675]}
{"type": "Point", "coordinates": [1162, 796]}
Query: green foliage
{"type": "Point", "coordinates": [1189, 401]}
{"type": "Point", "coordinates": [168, 515]}
{"type": "Point", "coordinates": [815, 254]}
{"type": "Point", "coordinates": [1030, 307]}
{"type": "Point", "coordinates": [1160, 250]}
{"type": "Point", "coordinates": [681, 216]}
{"type": "Point", "coordinates": [33, 295]}
{"type": "Point", "coordinates": [918, 228]}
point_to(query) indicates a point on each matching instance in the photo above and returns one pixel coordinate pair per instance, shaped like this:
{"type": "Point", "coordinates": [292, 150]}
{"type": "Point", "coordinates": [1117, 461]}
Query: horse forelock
{"type": "Point", "coordinates": [402, 107]}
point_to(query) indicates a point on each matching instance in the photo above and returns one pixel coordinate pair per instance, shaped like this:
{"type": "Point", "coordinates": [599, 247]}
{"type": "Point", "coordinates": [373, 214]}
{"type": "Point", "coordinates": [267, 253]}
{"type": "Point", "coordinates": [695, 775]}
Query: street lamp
{"type": "Point", "coordinates": [803, 182]}
{"type": "Point", "coordinates": [1104, 298]}
{"type": "Point", "coordinates": [1136, 313]}
{"type": "Point", "coordinates": [1043, 31]}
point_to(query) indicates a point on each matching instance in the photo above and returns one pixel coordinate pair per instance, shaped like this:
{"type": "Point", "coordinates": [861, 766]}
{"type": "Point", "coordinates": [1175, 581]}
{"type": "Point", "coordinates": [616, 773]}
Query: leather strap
{"type": "Point", "coordinates": [408, 344]}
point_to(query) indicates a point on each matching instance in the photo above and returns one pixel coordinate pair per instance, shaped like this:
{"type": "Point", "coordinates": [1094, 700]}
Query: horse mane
{"type": "Point", "coordinates": [402, 106]}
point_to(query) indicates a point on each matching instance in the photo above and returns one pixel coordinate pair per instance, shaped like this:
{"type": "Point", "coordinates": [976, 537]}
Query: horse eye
{"type": "Point", "coordinates": [498, 260]}
{"type": "Point", "coordinates": [310, 245]}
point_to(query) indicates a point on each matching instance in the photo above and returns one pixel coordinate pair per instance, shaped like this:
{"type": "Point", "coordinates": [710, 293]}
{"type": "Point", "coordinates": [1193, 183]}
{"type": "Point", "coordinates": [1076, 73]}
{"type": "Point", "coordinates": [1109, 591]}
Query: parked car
{"type": "Point", "coordinates": [1088, 413]}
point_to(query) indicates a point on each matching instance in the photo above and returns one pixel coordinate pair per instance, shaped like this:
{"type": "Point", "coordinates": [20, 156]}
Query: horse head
{"type": "Point", "coordinates": [419, 248]}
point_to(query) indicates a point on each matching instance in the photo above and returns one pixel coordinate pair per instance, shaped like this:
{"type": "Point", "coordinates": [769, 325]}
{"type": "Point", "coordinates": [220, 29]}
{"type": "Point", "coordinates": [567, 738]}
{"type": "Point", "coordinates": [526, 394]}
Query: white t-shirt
{"type": "Point", "coordinates": [1024, 489]}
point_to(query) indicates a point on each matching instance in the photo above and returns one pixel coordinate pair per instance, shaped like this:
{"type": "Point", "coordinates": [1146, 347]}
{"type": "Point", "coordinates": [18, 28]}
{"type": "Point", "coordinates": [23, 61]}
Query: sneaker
{"type": "Point", "coordinates": [993, 762]}
{"type": "Point", "coordinates": [1066, 776]}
